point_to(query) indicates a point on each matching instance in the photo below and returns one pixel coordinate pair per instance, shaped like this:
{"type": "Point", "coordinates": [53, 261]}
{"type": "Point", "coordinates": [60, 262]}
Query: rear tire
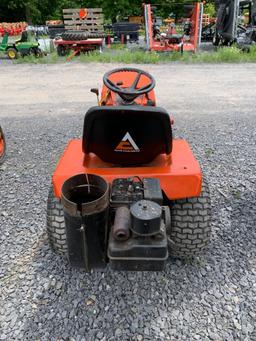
{"type": "Point", "coordinates": [61, 51]}
{"type": "Point", "coordinates": [56, 225]}
{"type": "Point", "coordinates": [37, 52]}
{"type": "Point", "coordinates": [190, 224]}
{"type": "Point", "coordinates": [2, 147]}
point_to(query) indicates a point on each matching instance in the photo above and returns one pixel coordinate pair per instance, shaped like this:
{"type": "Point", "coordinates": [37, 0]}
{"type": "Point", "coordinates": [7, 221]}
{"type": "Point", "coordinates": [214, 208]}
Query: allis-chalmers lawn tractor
{"type": "Point", "coordinates": [2, 146]}
{"type": "Point", "coordinates": [127, 193]}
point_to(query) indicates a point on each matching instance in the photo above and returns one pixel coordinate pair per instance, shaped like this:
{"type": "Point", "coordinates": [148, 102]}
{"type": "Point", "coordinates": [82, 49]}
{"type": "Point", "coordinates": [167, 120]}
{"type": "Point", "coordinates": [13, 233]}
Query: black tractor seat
{"type": "Point", "coordinates": [127, 135]}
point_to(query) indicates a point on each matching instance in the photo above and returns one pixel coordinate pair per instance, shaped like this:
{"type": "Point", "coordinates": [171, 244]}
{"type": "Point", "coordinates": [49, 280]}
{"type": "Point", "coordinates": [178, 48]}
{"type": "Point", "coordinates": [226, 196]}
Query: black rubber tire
{"type": "Point", "coordinates": [74, 36]}
{"type": "Point", "coordinates": [2, 156]}
{"type": "Point", "coordinates": [81, 35]}
{"type": "Point", "coordinates": [36, 52]}
{"type": "Point", "coordinates": [216, 40]}
{"type": "Point", "coordinates": [190, 224]}
{"type": "Point", "coordinates": [56, 224]}
{"type": "Point", "coordinates": [62, 51]}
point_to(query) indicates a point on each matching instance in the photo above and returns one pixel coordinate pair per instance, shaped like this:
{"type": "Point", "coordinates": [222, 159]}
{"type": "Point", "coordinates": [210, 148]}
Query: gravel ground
{"type": "Point", "coordinates": [210, 298]}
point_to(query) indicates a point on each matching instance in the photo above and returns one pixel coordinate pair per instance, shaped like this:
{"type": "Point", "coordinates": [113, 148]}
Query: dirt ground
{"type": "Point", "coordinates": [189, 89]}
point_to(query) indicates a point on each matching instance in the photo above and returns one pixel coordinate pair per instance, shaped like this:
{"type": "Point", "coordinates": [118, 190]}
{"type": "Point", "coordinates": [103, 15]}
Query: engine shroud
{"type": "Point", "coordinates": [146, 249]}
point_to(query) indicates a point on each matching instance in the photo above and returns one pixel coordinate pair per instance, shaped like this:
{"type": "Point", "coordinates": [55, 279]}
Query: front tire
{"type": "Point", "coordinates": [190, 224]}
{"type": "Point", "coordinates": [12, 53]}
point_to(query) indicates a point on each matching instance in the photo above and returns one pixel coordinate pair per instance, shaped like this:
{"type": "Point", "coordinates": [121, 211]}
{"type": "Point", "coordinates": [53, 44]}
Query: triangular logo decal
{"type": "Point", "coordinates": [127, 145]}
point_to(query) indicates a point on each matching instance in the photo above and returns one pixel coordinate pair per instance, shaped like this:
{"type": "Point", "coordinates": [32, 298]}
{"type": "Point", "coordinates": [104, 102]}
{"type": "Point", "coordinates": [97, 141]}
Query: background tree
{"type": "Point", "coordinates": [38, 11]}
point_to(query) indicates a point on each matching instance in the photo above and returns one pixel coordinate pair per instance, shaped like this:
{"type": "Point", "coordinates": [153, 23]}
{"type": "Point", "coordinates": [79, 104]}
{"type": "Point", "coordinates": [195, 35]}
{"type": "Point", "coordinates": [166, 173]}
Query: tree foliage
{"type": "Point", "coordinates": [38, 11]}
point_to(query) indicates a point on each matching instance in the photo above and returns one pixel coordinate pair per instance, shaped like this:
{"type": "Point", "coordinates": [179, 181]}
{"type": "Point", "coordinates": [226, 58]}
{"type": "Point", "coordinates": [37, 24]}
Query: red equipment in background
{"type": "Point", "coordinates": [78, 46]}
{"type": "Point", "coordinates": [171, 41]}
{"type": "Point", "coordinates": [83, 31]}
{"type": "Point", "coordinates": [13, 29]}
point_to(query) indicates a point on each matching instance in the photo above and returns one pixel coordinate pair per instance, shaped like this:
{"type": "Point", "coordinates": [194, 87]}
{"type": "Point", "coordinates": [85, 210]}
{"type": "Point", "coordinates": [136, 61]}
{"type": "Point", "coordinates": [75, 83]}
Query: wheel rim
{"type": "Point", "coordinates": [11, 54]}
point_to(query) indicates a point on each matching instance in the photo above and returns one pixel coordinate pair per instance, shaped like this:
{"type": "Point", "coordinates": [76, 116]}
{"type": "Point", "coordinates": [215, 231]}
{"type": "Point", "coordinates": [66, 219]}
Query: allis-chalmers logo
{"type": "Point", "coordinates": [127, 145]}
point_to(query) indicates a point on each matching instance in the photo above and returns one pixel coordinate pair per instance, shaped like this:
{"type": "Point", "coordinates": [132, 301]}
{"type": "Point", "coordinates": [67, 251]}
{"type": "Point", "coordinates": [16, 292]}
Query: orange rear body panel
{"type": "Point", "coordinates": [179, 174]}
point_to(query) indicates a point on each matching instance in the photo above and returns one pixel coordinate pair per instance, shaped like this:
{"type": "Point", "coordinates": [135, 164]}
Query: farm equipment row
{"type": "Point", "coordinates": [83, 31]}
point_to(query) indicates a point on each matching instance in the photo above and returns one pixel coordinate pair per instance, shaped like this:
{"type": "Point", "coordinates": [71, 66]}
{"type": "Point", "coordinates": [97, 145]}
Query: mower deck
{"type": "Point", "coordinates": [161, 47]}
{"type": "Point", "coordinates": [179, 174]}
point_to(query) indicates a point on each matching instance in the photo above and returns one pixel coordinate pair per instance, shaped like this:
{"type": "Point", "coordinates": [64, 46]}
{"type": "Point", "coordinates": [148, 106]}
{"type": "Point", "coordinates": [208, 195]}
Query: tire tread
{"type": "Point", "coordinates": [56, 225]}
{"type": "Point", "coordinates": [191, 224]}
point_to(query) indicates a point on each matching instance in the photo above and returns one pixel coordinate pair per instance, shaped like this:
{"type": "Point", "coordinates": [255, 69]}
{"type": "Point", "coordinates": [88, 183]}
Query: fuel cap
{"type": "Point", "coordinates": [146, 217]}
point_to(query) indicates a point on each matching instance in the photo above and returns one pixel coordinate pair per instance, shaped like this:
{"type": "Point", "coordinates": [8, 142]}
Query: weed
{"type": "Point", "coordinates": [208, 152]}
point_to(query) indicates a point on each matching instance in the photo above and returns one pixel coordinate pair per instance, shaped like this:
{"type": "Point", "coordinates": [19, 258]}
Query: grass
{"type": "Point", "coordinates": [52, 58]}
{"type": "Point", "coordinates": [237, 194]}
{"type": "Point", "coordinates": [120, 54]}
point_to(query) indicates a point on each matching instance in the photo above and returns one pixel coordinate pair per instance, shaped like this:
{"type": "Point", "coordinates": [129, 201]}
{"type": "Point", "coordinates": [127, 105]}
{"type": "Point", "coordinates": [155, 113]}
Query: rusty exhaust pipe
{"type": "Point", "coordinates": [122, 223]}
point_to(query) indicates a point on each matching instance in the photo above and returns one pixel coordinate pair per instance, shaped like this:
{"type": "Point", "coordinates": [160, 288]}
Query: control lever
{"type": "Point", "coordinates": [96, 92]}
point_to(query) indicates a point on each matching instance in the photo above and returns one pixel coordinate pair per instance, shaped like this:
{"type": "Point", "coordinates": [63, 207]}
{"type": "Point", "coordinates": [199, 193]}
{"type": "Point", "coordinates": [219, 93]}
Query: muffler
{"type": "Point", "coordinates": [85, 200]}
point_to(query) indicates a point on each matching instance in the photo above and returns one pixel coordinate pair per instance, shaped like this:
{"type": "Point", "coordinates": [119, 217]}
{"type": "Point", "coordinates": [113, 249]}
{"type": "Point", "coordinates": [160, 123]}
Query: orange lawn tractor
{"type": "Point", "coordinates": [128, 194]}
{"type": "Point", "coordinates": [2, 146]}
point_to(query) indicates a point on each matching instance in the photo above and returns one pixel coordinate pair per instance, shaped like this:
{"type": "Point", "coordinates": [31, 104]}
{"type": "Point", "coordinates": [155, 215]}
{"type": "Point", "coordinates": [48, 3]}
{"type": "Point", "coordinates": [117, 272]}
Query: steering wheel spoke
{"type": "Point", "coordinates": [145, 87]}
{"type": "Point", "coordinates": [136, 81]}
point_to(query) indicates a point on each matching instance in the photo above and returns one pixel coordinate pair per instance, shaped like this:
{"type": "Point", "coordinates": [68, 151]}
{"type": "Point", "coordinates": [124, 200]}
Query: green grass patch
{"type": "Point", "coordinates": [208, 152]}
{"type": "Point", "coordinates": [120, 54]}
{"type": "Point", "coordinates": [222, 55]}
{"type": "Point", "coordinates": [51, 58]}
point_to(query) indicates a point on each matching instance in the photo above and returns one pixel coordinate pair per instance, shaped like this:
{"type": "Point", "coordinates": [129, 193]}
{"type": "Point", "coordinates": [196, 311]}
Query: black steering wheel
{"type": "Point", "coordinates": [129, 94]}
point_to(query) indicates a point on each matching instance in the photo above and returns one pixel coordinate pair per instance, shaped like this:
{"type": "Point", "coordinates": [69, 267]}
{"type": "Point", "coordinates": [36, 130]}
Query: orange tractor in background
{"type": "Point", "coordinates": [171, 40]}
{"type": "Point", "coordinates": [127, 193]}
{"type": "Point", "coordinates": [2, 146]}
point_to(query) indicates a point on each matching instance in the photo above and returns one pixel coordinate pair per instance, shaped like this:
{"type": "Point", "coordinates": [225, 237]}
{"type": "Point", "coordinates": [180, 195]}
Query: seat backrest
{"type": "Point", "coordinates": [127, 135]}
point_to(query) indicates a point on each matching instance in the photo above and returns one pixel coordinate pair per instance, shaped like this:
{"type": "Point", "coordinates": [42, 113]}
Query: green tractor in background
{"type": "Point", "coordinates": [27, 45]}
